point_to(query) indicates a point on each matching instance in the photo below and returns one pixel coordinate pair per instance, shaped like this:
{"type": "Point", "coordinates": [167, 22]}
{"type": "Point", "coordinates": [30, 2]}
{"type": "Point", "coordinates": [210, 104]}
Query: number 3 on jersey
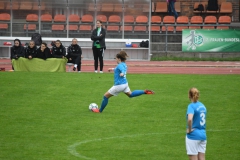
{"type": "Point", "coordinates": [203, 119]}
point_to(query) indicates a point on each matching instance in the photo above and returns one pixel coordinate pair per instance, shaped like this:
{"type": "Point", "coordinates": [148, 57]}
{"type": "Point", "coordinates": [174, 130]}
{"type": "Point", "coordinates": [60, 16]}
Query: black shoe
{"type": "Point", "coordinates": [74, 68]}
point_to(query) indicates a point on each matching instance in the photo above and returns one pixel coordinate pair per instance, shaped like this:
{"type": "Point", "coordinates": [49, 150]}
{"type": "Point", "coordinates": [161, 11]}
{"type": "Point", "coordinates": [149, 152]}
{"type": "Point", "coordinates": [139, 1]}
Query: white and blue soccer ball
{"type": "Point", "coordinates": [93, 106]}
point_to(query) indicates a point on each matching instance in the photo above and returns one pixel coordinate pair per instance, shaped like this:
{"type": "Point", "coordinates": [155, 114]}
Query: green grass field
{"type": "Point", "coordinates": [45, 116]}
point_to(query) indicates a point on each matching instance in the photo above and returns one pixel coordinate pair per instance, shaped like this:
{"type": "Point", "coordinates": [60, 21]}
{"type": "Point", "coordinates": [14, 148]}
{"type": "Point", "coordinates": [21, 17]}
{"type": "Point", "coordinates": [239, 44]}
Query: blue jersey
{"type": "Point", "coordinates": [121, 68]}
{"type": "Point", "coordinates": [199, 112]}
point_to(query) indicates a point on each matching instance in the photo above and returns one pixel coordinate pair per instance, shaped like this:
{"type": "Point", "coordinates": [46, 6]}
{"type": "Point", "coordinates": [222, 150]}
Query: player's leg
{"type": "Point", "coordinates": [136, 93]}
{"type": "Point", "coordinates": [192, 149]}
{"type": "Point", "coordinates": [201, 150]}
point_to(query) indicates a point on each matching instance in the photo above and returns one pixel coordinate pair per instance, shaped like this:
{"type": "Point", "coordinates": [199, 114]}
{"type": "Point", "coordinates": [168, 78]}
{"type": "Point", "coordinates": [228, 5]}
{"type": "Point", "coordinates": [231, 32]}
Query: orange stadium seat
{"type": "Point", "coordinates": [85, 28]}
{"type": "Point", "coordinates": [91, 7]}
{"type": "Point", "coordinates": [28, 5]}
{"type": "Point", "coordinates": [182, 20]}
{"type": "Point", "coordinates": [177, 6]}
{"type": "Point", "coordinates": [112, 28]}
{"type": "Point", "coordinates": [168, 20]}
{"type": "Point", "coordinates": [141, 19]}
{"type": "Point", "coordinates": [87, 18]}
{"type": "Point", "coordinates": [59, 18]}
{"type": "Point", "coordinates": [107, 7]}
{"type": "Point", "coordinates": [128, 19]}
{"type": "Point", "coordinates": [74, 18]}
{"type": "Point", "coordinates": [15, 6]}
{"type": "Point", "coordinates": [3, 26]}
{"type": "Point", "coordinates": [155, 28]}
{"type": "Point", "coordinates": [127, 28]}
{"type": "Point", "coordinates": [2, 6]}
{"type": "Point", "coordinates": [35, 6]}
{"type": "Point", "coordinates": [196, 20]}
{"type": "Point", "coordinates": [46, 18]}
{"type": "Point", "coordinates": [210, 20]}
{"type": "Point", "coordinates": [117, 8]}
{"type": "Point", "coordinates": [32, 18]}
{"type": "Point", "coordinates": [224, 20]}
{"type": "Point", "coordinates": [156, 19]}
{"type": "Point", "coordinates": [30, 27]}
{"type": "Point", "coordinates": [161, 7]}
{"type": "Point", "coordinates": [72, 27]}
{"type": "Point", "coordinates": [226, 7]}
{"type": "Point", "coordinates": [102, 18]}
{"type": "Point", "coordinates": [5, 17]}
{"type": "Point", "coordinates": [140, 28]}
{"type": "Point", "coordinates": [57, 27]}
{"type": "Point", "coordinates": [114, 19]}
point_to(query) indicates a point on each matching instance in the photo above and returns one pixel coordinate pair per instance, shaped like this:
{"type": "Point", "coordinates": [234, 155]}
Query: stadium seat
{"type": "Point", "coordinates": [182, 20]}
{"type": "Point", "coordinates": [72, 27]}
{"type": "Point", "coordinates": [146, 7]}
{"type": "Point", "coordinates": [196, 20]}
{"type": "Point", "coordinates": [3, 26]}
{"type": "Point", "coordinates": [30, 27]}
{"type": "Point", "coordinates": [46, 18]}
{"type": "Point", "coordinates": [168, 20]}
{"type": "Point", "coordinates": [177, 6]}
{"type": "Point", "coordinates": [113, 28]}
{"type": "Point", "coordinates": [102, 18]}
{"type": "Point", "coordinates": [226, 7]}
{"type": "Point", "coordinates": [74, 18]}
{"type": "Point", "coordinates": [127, 28]}
{"type": "Point", "coordinates": [140, 28]}
{"type": "Point", "coordinates": [161, 7]}
{"type": "Point", "coordinates": [128, 19]}
{"type": "Point", "coordinates": [91, 7]}
{"type": "Point", "coordinates": [156, 19]}
{"type": "Point", "coordinates": [155, 28]}
{"type": "Point", "coordinates": [26, 5]}
{"type": "Point", "coordinates": [107, 7]}
{"type": "Point", "coordinates": [87, 18]}
{"type": "Point", "coordinates": [32, 18]}
{"type": "Point", "coordinates": [85, 28]}
{"type": "Point", "coordinates": [15, 6]}
{"type": "Point", "coordinates": [57, 27]}
{"type": "Point", "coordinates": [35, 6]}
{"type": "Point", "coordinates": [2, 6]}
{"type": "Point", "coordinates": [117, 8]}
{"type": "Point", "coordinates": [141, 19]}
{"type": "Point", "coordinates": [59, 18]}
{"type": "Point", "coordinates": [224, 20]}
{"type": "Point", "coordinates": [114, 19]}
{"type": "Point", "coordinates": [210, 20]}
{"type": "Point", "coordinates": [5, 17]}
{"type": "Point", "coordinates": [42, 6]}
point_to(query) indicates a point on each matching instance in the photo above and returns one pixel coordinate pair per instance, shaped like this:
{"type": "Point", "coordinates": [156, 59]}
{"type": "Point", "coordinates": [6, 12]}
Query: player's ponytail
{"type": "Point", "coordinates": [122, 55]}
{"type": "Point", "coordinates": [193, 94]}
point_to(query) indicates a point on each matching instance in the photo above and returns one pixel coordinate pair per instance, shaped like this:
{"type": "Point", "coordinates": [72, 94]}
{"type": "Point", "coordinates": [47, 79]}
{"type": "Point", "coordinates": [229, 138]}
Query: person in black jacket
{"type": "Point", "coordinates": [43, 52]}
{"type": "Point", "coordinates": [31, 50]}
{"type": "Point", "coordinates": [17, 50]}
{"type": "Point", "coordinates": [98, 45]}
{"type": "Point", "coordinates": [75, 55]}
{"type": "Point", "coordinates": [58, 50]}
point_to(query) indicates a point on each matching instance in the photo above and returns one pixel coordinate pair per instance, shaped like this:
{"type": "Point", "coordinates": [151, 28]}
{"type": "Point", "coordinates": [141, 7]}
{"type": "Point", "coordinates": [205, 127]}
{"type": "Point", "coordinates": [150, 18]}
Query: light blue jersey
{"type": "Point", "coordinates": [121, 68]}
{"type": "Point", "coordinates": [199, 112]}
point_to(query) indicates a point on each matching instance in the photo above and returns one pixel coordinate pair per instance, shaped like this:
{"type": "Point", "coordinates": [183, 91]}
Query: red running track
{"type": "Point", "coordinates": [163, 67]}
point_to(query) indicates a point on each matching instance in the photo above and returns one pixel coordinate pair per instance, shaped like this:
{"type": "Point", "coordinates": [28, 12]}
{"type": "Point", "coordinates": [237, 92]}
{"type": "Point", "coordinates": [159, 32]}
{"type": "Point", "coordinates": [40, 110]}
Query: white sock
{"type": "Point", "coordinates": [75, 65]}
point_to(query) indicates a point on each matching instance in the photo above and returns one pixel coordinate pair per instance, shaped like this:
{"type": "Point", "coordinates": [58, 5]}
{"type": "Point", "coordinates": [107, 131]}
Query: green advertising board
{"type": "Point", "coordinates": [201, 40]}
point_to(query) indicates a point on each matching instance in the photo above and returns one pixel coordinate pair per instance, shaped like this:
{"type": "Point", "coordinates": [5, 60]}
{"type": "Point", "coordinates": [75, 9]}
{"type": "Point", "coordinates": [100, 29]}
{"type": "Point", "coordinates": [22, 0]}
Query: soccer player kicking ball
{"type": "Point", "coordinates": [120, 82]}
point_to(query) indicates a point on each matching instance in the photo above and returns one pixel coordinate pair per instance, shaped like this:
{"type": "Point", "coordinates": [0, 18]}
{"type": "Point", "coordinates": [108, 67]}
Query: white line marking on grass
{"type": "Point", "coordinates": [72, 148]}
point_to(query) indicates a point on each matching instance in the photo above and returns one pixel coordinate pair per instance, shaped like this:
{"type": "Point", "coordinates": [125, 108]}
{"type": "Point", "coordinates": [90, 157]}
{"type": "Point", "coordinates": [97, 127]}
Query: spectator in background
{"type": "Point", "coordinates": [171, 8]}
{"type": "Point", "coordinates": [43, 52]}
{"type": "Point", "coordinates": [17, 50]}
{"type": "Point", "coordinates": [75, 55]}
{"type": "Point", "coordinates": [31, 50]}
{"type": "Point", "coordinates": [58, 50]}
{"type": "Point", "coordinates": [98, 45]}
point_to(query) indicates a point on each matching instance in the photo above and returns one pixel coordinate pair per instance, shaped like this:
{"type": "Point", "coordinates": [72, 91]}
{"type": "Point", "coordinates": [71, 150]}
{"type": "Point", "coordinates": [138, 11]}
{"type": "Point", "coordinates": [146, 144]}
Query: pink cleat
{"type": "Point", "coordinates": [95, 110]}
{"type": "Point", "coordinates": [149, 92]}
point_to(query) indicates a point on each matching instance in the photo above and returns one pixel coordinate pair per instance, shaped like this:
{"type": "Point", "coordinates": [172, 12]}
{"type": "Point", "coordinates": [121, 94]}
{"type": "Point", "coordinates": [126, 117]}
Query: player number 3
{"type": "Point", "coordinates": [203, 120]}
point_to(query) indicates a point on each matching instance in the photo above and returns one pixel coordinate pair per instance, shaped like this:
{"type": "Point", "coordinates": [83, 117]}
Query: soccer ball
{"type": "Point", "coordinates": [93, 106]}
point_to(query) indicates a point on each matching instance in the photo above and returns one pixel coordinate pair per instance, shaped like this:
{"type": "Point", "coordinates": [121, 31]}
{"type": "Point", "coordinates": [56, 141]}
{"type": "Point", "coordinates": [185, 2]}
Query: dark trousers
{"type": "Point", "coordinates": [76, 60]}
{"type": "Point", "coordinates": [98, 55]}
{"type": "Point", "coordinates": [171, 9]}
